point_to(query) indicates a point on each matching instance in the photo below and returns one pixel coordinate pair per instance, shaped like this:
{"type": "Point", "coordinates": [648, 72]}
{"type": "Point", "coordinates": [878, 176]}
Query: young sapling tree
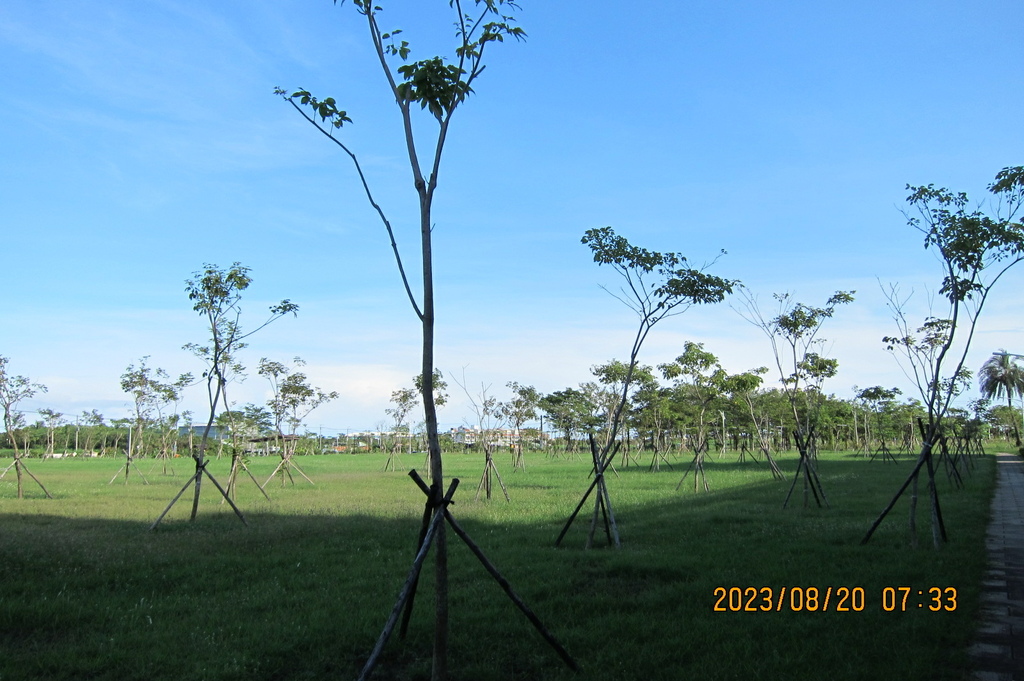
{"type": "Point", "coordinates": [571, 412]}
{"type": "Point", "coordinates": [216, 294]}
{"type": "Point", "coordinates": [653, 415]}
{"type": "Point", "coordinates": [92, 422]}
{"type": "Point", "coordinates": [877, 400]}
{"type": "Point", "coordinates": [151, 392]}
{"type": "Point", "coordinates": [404, 401]}
{"type": "Point", "coordinates": [701, 381]}
{"type": "Point", "coordinates": [437, 88]}
{"type": "Point", "coordinates": [974, 250]}
{"type": "Point", "coordinates": [516, 411]}
{"type": "Point", "coordinates": [294, 399]}
{"type": "Point", "coordinates": [489, 418]}
{"type": "Point", "coordinates": [52, 420]}
{"type": "Point", "coordinates": [657, 285]}
{"type": "Point", "coordinates": [793, 334]}
{"type": "Point", "coordinates": [742, 389]}
{"type": "Point", "coordinates": [13, 391]}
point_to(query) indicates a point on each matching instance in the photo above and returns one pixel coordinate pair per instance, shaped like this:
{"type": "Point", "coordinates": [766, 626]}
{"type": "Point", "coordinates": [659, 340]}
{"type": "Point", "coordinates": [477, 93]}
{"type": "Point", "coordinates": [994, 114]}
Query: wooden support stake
{"type": "Point", "coordinates": [225, 495]}
{"type": "Point", "coordinates": [938, 527]}
{"type": "Point", "coordinates": [878, 521]}
{"type": "Point", "coordinates": [593, 484]}
{"type": "Point", "coordinates": [200, 469]}
{"type": "Point", "coordinates": [48, 495]}
{"type": "Point", "coordinates": [427, 511]}
{"type": "Point", "coordinates": [611, 528]}
{"type": "Point", "coordinates": [255, 481]}
{"type": "Point", "coordinates": [413, 577]}
{"type": "Point", "coordinates": [174, 500]}
{"type": "Point", "coordinates": [507, 588]}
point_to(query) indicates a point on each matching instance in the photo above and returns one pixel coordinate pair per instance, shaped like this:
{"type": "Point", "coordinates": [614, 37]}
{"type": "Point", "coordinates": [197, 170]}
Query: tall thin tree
{"type": "Point", "coordinates": [217, 295]}
{"type": "Point", "coordinates": [974, 250]}
{"type": "Point", "coordinates": [438, 88]}
{"type": "Point", "coordinates": [793, 334]}
{"type": "Point", "coordinates": [656, 286]}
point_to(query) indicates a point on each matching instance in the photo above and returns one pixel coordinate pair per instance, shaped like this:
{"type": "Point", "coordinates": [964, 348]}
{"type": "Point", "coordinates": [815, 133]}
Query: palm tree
{"type": "Point", "coordinates": [1001, 375]}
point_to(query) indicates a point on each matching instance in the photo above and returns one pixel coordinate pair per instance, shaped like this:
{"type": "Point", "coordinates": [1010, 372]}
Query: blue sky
{"type": "Point", "coordinates": [142, 139]}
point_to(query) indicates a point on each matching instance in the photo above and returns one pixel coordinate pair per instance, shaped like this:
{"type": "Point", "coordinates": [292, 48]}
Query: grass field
{"type": "Point", "coordinates": [303, 591]}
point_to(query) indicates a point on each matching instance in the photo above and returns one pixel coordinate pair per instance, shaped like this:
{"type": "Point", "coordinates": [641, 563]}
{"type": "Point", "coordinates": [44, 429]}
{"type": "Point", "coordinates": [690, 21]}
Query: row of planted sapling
{"type": "Point", "coordinates": [974, 248]}
{"type": "Point", "coordinates": [703, 406]}
{"type": "Point", "coordinates": [793, 333]}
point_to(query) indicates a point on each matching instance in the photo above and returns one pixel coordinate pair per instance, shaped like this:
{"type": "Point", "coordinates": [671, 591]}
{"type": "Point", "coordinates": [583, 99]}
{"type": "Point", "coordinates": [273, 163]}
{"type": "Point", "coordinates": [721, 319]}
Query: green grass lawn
{"type": "Point", "coordinates": [303, 591]}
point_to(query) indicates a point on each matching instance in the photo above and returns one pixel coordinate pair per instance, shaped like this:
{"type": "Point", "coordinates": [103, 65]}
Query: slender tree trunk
{"type": "Point", "coordinates": [912, 524]}
{"type": "Point", "coordinates": [1016, 430]}
{"type": "Point", "coordinates": [201, 456]}
{"type": "Point", "coordinates": [439, 670]}
{"type": "Point", "coordinates": [13, 437]}
{"type": "Point", "coordinates": [198, 477]}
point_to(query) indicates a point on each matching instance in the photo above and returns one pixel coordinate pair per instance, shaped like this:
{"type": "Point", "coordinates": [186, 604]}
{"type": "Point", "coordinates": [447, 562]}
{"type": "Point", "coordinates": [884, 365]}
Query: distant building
{"type": "Point", "coordinates": [464, 435]}
{"type": "Point", "coordinates": [216, 432]}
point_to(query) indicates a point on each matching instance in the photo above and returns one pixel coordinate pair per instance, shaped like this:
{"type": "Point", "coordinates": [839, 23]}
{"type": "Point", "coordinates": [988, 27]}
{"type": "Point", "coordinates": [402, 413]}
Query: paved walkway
{"type": "Point", "coordinates": [998, 653]}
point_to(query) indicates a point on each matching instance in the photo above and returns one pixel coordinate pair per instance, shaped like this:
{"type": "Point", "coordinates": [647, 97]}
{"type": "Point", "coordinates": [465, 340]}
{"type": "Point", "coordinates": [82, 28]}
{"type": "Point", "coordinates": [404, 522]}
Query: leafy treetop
{"type": "Point", "coordinates": [675, 284]}
{"type": "Point", "coordinates": [975, 250]}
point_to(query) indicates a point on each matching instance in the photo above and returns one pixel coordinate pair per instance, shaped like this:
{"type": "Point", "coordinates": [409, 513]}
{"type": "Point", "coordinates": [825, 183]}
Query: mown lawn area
{"type": "Point", "coordinates": [89, 592]}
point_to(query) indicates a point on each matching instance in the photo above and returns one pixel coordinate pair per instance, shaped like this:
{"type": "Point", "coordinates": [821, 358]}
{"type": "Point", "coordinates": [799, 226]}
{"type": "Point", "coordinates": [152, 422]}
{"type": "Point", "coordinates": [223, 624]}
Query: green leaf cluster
{"type": "Point", "coordinates": [327, 108]}
{"type": "Point", "coordinates": [437, 87]}
{"type": "Point", "coordinates": [969, 241]}
{"type": "Point", "coordinates": [802, 319]}
{"type": "Point", "coordinates": [675, 282]}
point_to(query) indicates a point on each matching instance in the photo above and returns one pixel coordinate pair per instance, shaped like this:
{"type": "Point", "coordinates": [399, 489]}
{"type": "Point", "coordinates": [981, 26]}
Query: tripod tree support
{"type": "Point", "coordinates": [806, 465]}
{"type": "Point", "coordinates": [925, 458]}
{"type": "Point", "coordinates": [19, 466]}
{"type": "Point", "coordinates": [200, 469]}
{"type": "Point", "coordinates": [14, 389]}
{"type": "Point", "coordinates": [129, 462]}
{"type": "Point", "coordinates": [284, 468]}
{"type": "Point", "coordinates": [598, 483]}
{"type": "Point", "coordinates": [437, 514]}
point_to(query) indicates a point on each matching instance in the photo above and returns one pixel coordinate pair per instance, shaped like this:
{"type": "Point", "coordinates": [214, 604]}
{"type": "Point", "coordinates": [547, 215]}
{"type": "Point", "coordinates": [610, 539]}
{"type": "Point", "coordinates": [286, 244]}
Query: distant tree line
{"type": "Point", "coordinates": [671, 408]}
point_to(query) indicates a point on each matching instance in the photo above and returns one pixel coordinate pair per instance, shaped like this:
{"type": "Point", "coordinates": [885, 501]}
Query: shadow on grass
{"type": "Point", "coordinates": [303, 593]}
